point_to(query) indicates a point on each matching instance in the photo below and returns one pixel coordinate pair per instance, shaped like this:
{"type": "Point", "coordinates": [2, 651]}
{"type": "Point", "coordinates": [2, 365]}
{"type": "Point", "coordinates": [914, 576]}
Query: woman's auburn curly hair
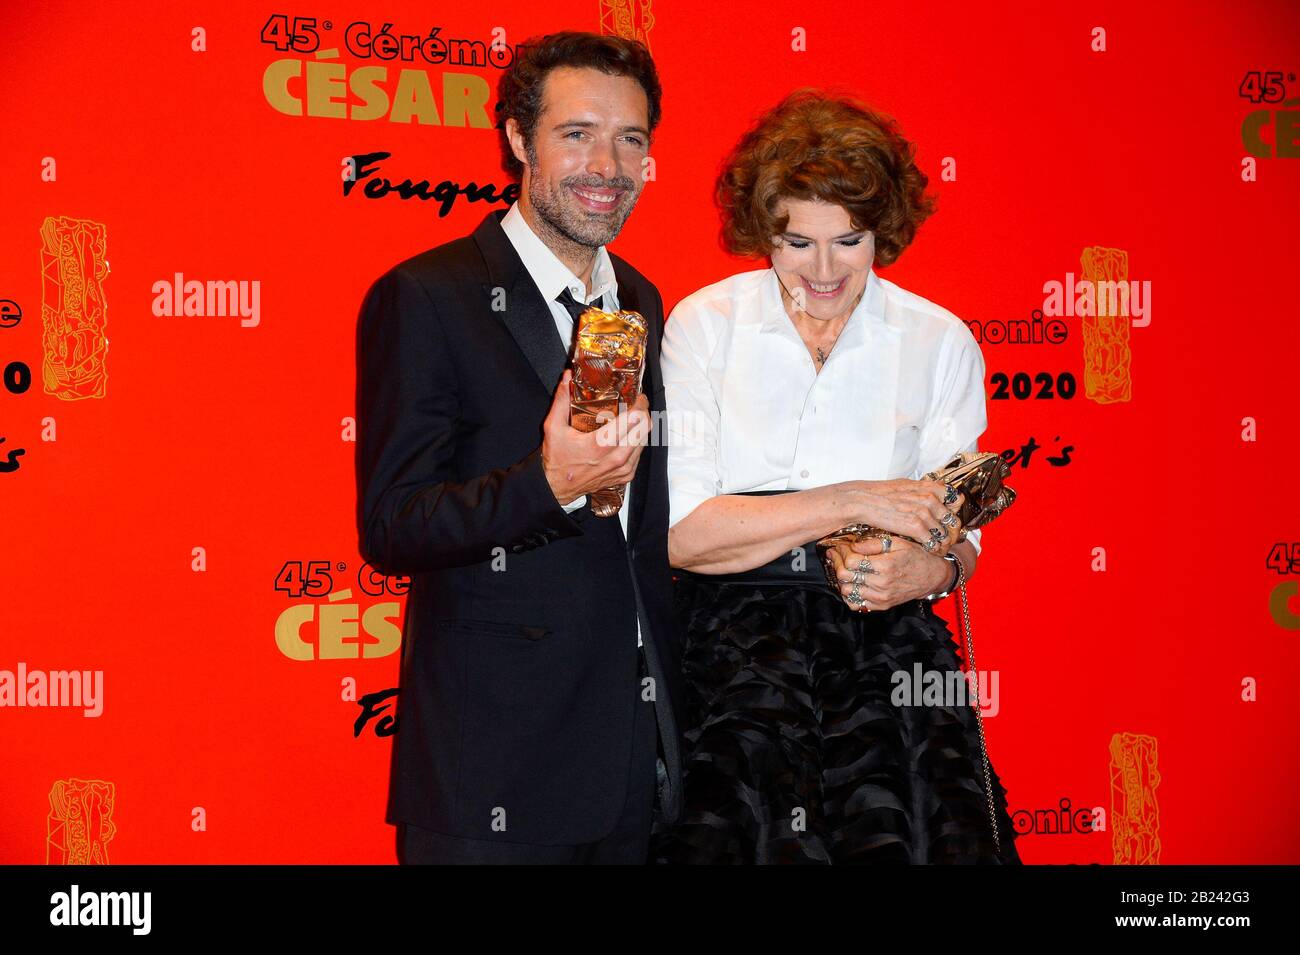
{"type": "Point", "coordinates": [818, 145]}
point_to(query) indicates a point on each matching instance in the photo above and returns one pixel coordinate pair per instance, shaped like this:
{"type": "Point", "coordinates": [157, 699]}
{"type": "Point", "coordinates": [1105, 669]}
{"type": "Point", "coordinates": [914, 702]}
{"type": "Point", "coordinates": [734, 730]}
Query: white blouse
{"type": "Point", "coordinates": [901, 391]}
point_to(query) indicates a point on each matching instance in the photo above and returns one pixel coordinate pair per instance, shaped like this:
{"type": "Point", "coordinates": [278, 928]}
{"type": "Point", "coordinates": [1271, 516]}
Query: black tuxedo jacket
{"type": "Point", "coordinates": [519, 670]}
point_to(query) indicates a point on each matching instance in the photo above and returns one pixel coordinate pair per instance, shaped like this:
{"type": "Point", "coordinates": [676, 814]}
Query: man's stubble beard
{"type": "Point", "coordinates": [567, 223]}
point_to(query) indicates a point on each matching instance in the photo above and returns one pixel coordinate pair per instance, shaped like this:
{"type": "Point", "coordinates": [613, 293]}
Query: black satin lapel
{"type": "Point", "coordinates": [532, 325]}
{"type": "Point", "coordinates": [527, 315]}
{"type": "Point", "coordinates": [630, 302]}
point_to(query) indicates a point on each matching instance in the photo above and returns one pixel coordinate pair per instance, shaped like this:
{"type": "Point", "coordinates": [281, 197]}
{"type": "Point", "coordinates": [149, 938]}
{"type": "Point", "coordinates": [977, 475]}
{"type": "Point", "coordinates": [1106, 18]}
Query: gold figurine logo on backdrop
{"type": "Point", "coordinates": [80, 824]}
{"type": "Point", "coordinates": [1134, 813]}
{"type": "Point", "coordinates": [1107, 356]}
{"type": "Point", "coordinates": [630, 19]}
{"type": "Point", "coordinates": [74, 311]}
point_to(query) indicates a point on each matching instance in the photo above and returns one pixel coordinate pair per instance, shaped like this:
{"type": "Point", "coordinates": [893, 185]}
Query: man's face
{"type": "Point", "coordinates": [583, 168]}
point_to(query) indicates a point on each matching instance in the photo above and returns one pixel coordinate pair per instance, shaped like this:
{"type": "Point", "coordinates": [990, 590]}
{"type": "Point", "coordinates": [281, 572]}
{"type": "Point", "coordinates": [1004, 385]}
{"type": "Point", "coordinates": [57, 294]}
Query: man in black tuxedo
{"type": "Point", "coordinates": [539, 704]}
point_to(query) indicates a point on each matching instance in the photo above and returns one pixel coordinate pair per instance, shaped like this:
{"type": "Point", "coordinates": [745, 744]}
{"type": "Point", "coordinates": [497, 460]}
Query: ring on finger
{"type": "Point", "coordinates": [951, 496]}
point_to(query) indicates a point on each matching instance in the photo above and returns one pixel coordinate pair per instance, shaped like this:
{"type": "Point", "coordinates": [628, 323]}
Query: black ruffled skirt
{"type": "Point", "coordinates": [794, 750]}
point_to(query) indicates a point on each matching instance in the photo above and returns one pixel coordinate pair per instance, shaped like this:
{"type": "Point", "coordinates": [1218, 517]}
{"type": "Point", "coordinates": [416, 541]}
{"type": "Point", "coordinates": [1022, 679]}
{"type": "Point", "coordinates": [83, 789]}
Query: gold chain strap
{"type": "Point", "coordinates": [979, 721]}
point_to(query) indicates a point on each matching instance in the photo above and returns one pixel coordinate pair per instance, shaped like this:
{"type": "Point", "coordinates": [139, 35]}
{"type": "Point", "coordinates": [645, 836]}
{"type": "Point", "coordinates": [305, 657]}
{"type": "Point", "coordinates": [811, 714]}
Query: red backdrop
{"type": "Point", "coordinates": [153, 527]}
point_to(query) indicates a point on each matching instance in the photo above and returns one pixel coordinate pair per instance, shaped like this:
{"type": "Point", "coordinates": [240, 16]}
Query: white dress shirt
{"type": "Point", "coordinates": [552, 277]}
{"type": "Point", "coordinates": [900, 392]}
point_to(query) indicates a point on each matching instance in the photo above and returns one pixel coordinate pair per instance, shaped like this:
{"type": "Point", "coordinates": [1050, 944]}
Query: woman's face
{"type": "Point", "coordinates": [822, 261]}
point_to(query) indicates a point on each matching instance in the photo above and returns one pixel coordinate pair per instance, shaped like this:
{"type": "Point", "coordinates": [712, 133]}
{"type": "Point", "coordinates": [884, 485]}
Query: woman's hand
{"type": "Point", "coordinates": [912, 509]}
{"type": "Point", "coordinates": [904, 572]}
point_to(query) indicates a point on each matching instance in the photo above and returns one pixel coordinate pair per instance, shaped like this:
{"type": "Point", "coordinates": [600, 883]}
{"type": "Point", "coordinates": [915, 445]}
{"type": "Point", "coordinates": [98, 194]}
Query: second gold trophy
{"type": "Point", "coordinates": [608, 365]}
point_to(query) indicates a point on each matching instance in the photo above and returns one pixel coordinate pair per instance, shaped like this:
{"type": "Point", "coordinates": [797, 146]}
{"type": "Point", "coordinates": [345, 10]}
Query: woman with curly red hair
{"type": "Point", "coordinates": [804, 397]}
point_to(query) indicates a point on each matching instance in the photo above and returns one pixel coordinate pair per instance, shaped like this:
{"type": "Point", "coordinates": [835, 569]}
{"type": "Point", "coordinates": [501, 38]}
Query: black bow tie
{"type": "Point", "coordinates": [575, 307]}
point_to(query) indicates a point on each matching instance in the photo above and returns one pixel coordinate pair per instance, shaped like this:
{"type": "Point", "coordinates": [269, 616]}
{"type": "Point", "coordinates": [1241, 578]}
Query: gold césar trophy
{"type": "Point", "coordinates": [608, 362]}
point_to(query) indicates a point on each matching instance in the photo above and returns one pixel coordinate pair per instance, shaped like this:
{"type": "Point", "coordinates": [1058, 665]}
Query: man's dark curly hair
{"type": "Point", "coordinates": [817, 145]}
{"type": "Point", "coordinates": [519, 94]}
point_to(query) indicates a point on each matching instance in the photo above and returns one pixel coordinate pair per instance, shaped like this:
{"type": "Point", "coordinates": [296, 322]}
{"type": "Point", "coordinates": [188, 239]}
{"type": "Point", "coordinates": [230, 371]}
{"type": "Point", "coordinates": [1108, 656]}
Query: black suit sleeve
{"type": "Point", "coordinates": [412, 516]}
